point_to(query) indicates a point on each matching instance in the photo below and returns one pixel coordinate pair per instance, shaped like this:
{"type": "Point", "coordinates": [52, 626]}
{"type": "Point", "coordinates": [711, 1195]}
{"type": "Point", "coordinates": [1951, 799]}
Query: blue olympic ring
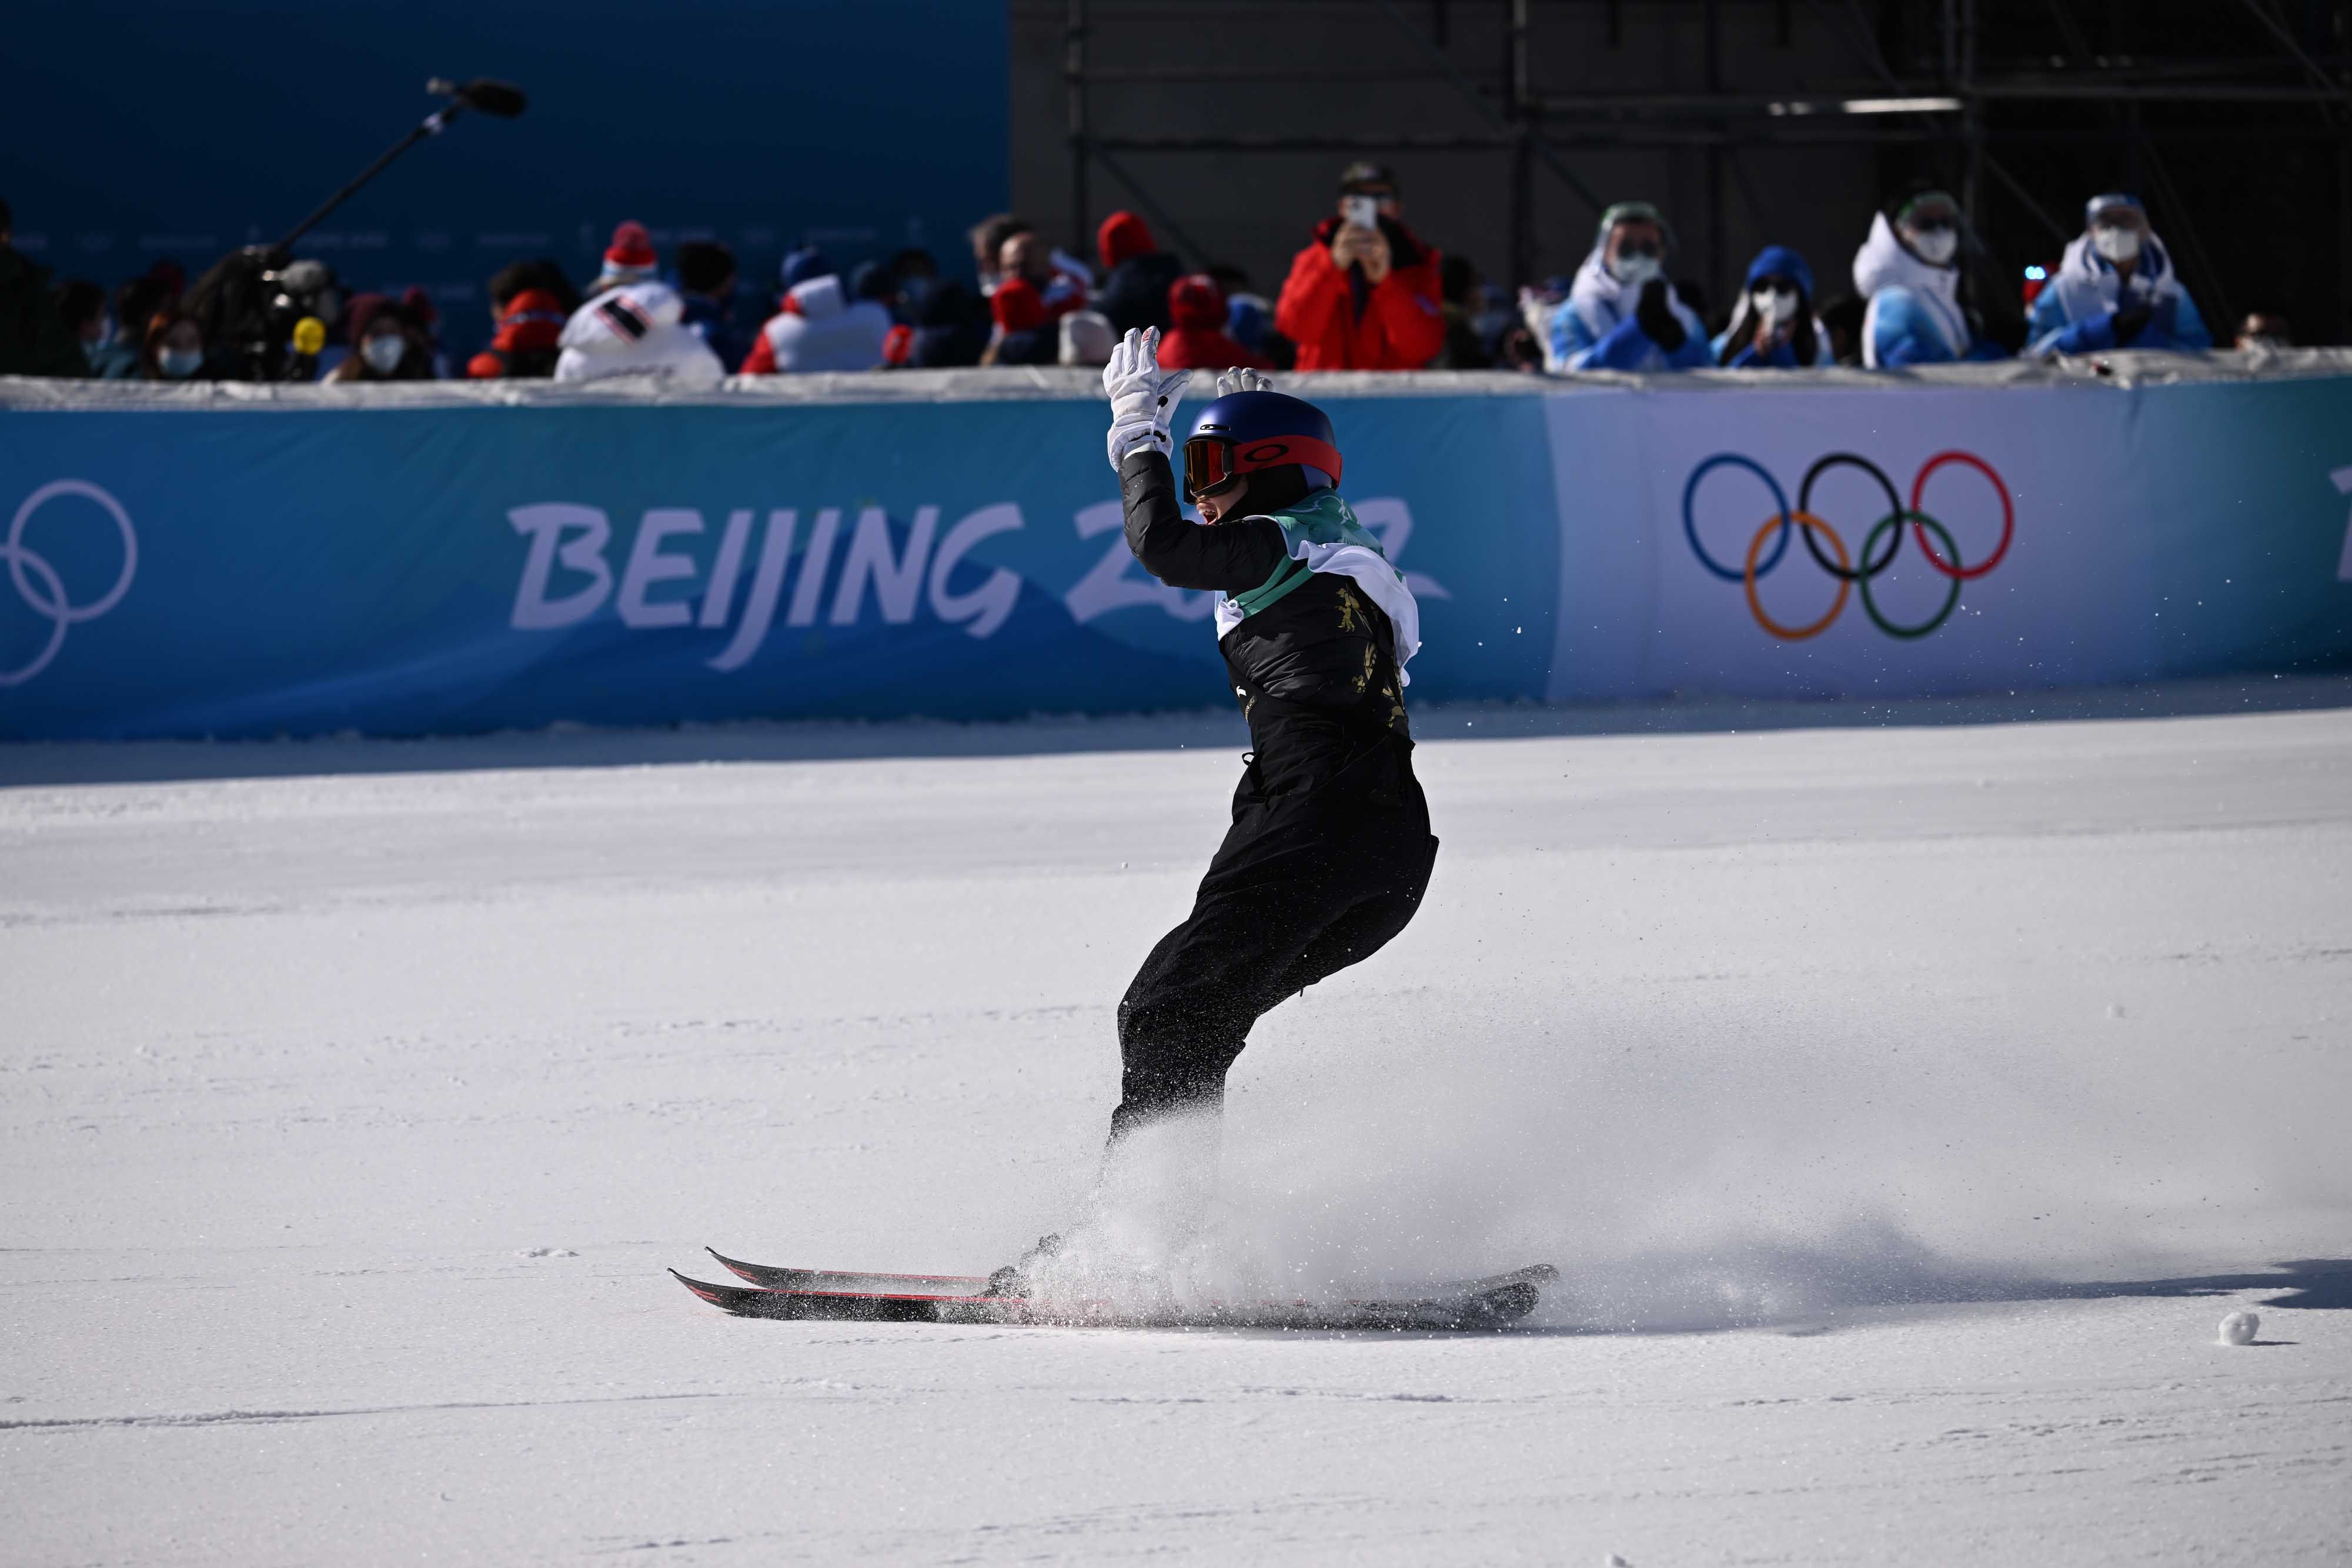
{"type": "Point", "coordinates": [1781, 510]}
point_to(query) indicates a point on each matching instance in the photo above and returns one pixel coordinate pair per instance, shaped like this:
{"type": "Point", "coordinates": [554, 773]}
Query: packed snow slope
{"type": "Point", "coordinates": [1906, 1105]}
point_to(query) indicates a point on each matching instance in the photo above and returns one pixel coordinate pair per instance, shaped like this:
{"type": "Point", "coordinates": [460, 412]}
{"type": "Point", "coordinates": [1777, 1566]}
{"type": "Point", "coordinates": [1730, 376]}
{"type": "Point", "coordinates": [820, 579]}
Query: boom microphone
{"type": "Point", "coordinates": [502, 99]}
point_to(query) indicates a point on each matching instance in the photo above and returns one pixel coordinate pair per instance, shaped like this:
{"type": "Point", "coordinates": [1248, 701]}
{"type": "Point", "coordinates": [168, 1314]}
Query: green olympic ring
{"type": "Point", "coordinates": [1951, 577]}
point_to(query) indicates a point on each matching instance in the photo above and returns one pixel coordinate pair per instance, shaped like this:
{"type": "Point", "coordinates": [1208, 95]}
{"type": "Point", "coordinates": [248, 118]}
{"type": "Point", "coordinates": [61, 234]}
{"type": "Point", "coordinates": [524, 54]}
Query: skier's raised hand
{"type": "Point", "coordinates": [1142, 396]}
{"type": "Point", "coordinates": [1243, 379]}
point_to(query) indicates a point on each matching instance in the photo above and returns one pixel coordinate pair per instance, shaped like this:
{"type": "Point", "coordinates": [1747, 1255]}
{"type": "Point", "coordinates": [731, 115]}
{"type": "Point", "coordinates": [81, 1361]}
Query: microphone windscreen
{"type": "Point", "coordinates": [502, 99]}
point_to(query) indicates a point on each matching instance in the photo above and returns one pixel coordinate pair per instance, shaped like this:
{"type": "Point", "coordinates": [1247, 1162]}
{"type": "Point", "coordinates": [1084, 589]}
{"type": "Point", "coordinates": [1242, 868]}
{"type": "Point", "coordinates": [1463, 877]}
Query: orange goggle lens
{"type": "Point", "coordinates": [1208, 464]}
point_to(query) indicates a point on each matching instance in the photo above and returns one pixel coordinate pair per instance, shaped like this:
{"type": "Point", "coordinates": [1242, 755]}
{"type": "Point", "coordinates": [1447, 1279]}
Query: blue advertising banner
{"type": "Point", "coordinates": [260, 571]}
{"type": "Point", "coordinates": [306, 563]}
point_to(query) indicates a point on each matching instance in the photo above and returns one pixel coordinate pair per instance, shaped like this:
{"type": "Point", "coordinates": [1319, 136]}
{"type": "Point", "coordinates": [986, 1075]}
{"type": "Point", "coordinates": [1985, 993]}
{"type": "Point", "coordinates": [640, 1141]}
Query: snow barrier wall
{"type": "Point", "coordinates": [238, 560]}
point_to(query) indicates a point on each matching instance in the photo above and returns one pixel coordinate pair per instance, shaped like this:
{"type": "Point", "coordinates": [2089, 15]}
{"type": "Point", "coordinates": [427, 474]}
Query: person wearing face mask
{"type": "Point", "coordinates": [386, 344]}
{"type": "Point", "coordinates": [135, 304]}
{"type": "Point", "coordinates": [1620, 313]}
{"type": "Point", "coordinates": [175, 349]}
{"type": "Point", "coordinates": [2115, 289]}
{"type": "Point", "coordinates": [1909, 270]}
{"type": "Point", "coordinates": [1774, 328]}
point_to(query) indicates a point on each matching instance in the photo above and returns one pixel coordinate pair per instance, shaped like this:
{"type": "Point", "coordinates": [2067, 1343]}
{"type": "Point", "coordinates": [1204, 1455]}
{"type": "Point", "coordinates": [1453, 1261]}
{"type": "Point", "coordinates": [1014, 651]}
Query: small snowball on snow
{"type": "Point", "coordinates": [2239, 1328]}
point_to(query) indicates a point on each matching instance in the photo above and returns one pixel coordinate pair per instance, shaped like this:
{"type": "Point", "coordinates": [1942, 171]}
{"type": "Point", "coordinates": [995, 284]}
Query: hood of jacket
{"type": "Point", "coordinates": [1883, 262]}
{"type": "Point", "coordinates": [817, 299]}
{"type": "Point", "coordinates": [1779, 261]}
{"type": "Point", "coordinates": [2088, 284]}
{"type": "Point", "coordinates": [533, 321]}
{"type": "Point", "coordinates": [1602, 301]}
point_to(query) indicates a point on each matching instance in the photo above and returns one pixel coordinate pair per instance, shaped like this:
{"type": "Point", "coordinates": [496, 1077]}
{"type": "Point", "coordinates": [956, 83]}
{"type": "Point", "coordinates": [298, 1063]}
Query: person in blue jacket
{"type": "Point", "coordinates": [1909, 270]}
{"type": "Point", "coordinates": [1774, 327]}
{"type": "Point", "coordinates": [1622, 314]}
{"type": "Point", "coordinates": [2115, 289]}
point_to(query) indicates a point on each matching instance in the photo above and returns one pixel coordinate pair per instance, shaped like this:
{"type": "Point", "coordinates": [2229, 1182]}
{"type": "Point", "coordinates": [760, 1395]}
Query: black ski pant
{"type": "Point", "coordinates": [1303, 886]}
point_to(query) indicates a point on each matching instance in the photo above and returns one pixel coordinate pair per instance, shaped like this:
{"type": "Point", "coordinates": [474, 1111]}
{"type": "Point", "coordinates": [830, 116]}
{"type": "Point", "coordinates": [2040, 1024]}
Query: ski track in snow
{"type": "Point", "coordinates": [1904, 1107]}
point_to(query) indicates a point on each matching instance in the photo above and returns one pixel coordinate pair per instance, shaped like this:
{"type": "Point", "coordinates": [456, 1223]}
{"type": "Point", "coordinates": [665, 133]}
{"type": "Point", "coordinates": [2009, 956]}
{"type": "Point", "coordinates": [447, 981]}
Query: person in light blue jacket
{"type": "Point", "coordinates": [1909, 270]}
{"type": "Point", "coordinates": [1774, 328]}
{"type": "Point", "coordinates": [1622, 314]}
{"type": "Point", "coordinates": [2115, 289]}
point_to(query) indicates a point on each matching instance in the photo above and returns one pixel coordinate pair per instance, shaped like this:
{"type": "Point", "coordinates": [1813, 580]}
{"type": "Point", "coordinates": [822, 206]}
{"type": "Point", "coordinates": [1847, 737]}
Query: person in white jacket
{"type": "Point", "coordinates": [635, 329]}
{"type": "Point", "coordinates": [820, 329]}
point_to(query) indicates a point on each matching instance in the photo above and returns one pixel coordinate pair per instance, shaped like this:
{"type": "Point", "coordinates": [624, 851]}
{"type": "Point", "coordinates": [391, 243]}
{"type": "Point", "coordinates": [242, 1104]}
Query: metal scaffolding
{"type": "Point", "coordinates": [2289, 85]}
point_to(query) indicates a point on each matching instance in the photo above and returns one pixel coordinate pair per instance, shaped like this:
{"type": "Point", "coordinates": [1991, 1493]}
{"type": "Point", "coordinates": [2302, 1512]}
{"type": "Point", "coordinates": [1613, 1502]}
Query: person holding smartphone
{"type": "Point", "coordinates": [1365, 296]}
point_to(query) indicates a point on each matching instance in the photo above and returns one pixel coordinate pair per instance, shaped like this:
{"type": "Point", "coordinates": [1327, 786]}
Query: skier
{"type": "Point", "coordinates": [1331, 850]}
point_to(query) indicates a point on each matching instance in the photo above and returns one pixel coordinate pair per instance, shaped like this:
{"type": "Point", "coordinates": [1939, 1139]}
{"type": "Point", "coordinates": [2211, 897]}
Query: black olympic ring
{"type": "Point", "coordinates": [1868, 568]}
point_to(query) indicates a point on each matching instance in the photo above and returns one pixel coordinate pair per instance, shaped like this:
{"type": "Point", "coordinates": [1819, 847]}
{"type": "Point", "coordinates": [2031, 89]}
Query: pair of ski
{"type": "Point", "coordinates": [829, 1295]}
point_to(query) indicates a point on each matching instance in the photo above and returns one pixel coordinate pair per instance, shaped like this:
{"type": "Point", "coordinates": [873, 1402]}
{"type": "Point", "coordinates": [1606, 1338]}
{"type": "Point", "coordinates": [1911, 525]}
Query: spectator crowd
{"type": "Point", "coordinates": [1364, 292]}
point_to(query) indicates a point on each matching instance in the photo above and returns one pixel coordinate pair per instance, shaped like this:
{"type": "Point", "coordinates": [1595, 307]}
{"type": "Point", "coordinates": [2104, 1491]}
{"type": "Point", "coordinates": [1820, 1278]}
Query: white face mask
{"type": "Point", "coordinates": [2115, 242]}
{"type": "Point", "coordinates": [384, 354]}
{"type": "Point", "coordinates": [178, 364]}
{"type": "Point", "coordinates": [1934, 247]}
{"type": "Point", "coordinates": [1633, 269]}
{"type": "Point", "coordinates": [1775, 305]}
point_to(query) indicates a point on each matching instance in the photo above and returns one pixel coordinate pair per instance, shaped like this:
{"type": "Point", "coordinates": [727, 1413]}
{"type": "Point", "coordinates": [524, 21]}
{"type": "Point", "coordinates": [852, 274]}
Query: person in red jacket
{"type": "Point", "coordinates": [1197, 340]}
{"type": "Point", "coordinates": [1365, 295]}
{"type": "Point", "coordinates": [526, 344]}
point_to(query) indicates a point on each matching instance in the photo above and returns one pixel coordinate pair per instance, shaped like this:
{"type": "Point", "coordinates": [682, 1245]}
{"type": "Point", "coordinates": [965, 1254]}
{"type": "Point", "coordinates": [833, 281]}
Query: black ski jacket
{"type": "Point", "coordinates": [1315, 671]}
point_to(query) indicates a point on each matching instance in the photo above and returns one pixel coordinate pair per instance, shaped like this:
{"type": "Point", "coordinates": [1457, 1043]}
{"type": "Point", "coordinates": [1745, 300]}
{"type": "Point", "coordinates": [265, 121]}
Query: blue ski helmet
{"type": "Point", "coordinates": [1247, 430]}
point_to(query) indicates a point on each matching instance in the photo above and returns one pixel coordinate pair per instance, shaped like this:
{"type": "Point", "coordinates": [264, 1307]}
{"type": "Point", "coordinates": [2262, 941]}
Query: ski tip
{"type": "Point", "coordinates": [741, 1300]}
{"type": "Point", "coordinates": [739, 1269]}
{"type": "Point", "coordinates": [714, 1294]}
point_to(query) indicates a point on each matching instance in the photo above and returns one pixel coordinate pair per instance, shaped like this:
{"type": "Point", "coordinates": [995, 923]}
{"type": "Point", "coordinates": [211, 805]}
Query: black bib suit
{"type": "Point", "coordinates": [1330, 852]}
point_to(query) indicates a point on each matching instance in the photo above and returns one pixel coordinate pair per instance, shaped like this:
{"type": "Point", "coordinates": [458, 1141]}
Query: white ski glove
{"type": "Point", "coordinates": [1142, 395]}
{"type": "Point", "coordinates": [1243, 379]}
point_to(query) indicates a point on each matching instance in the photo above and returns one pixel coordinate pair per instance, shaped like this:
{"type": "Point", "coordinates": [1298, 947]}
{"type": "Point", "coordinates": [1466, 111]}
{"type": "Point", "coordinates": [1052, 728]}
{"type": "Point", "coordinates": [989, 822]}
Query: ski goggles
{"type": "Point", "coordinates": [1212, 462]}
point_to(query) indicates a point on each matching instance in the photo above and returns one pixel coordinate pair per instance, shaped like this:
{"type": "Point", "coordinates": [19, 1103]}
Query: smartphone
{"type": "Point", "coordinates": [1364, 211]}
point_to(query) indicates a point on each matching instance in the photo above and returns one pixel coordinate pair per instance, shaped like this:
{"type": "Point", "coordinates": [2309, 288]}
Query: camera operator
{"type": "Point", "coordinates": [264, 314]}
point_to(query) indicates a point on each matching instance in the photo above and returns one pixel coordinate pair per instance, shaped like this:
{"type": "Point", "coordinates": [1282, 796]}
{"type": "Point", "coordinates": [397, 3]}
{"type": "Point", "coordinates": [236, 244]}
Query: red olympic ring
{"type": "Point", "coordinates": [2008, 514]}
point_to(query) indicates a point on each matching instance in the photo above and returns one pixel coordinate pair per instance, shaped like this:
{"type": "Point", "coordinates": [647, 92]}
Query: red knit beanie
{"type": "Point", "coordinates": [1122, 237]}
{"type": "Point", "coordinates": [632, 250]}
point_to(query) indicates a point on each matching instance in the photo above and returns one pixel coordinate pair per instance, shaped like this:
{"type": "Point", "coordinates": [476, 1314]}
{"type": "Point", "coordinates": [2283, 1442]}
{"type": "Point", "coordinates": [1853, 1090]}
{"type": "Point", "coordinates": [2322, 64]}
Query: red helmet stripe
{"type": "Point", "coordinates": [1277, 450]}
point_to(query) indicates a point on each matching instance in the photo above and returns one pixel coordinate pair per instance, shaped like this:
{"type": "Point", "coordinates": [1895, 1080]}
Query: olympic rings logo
{"type": "Point", "coordinates": [38, 584]}
{"type": "Point", "coordinates": [1849, 572]}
